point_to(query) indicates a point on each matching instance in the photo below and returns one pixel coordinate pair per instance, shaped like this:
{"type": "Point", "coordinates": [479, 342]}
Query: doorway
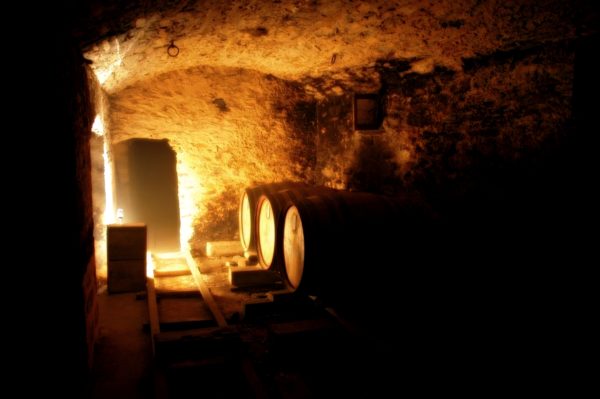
{"type": "Point", "coordinates": [146, 190]}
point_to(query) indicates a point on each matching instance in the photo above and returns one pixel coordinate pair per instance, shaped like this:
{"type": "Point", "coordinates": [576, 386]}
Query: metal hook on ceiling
{"type": "Point", "coordinates": [173, 50]}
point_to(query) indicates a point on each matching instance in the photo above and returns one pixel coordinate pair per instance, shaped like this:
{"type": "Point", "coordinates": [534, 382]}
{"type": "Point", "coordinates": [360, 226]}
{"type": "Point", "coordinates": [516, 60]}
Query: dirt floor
{"type": "Point", "coordinates": [123, 355]}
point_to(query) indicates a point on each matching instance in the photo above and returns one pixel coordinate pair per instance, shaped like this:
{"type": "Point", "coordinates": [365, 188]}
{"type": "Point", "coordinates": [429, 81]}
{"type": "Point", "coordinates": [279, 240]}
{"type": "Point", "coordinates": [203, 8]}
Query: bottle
{"type": "Point", "coordinates": [120, 215]}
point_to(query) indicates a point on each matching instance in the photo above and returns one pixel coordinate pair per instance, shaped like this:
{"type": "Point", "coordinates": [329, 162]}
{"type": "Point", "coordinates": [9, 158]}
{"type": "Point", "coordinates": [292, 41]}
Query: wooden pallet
{"type": "Point", "coordinates": [235, 354]}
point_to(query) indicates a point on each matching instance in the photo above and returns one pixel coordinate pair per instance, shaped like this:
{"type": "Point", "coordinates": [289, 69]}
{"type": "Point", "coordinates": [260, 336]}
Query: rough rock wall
{"type": "Point", "coordinates": [230, 128]}
{"type": "Point", "coordinates": [60, 240]}
{"type": "Point", "coordinates": [79, 108]}
{"type": "Point", "coordinates": [98, 151]}
{"type": "Point", "coordinates": [449, 133]}
{"type": "Point", "coordinates": [295, 38]}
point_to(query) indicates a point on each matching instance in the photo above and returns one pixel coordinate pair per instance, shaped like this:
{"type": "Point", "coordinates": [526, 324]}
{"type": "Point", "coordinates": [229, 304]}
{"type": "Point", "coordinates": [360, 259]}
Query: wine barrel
{"type": "Point", "coordinates": [247, 210]}
{"type": "Point", "coordinates": [338, 238]}
{"type": "Point", "coordinates": [270, 215]}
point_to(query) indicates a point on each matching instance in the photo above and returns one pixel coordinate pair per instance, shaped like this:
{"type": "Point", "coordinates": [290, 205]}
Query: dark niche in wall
{"type": "Point", "coordinates": [368, 111]}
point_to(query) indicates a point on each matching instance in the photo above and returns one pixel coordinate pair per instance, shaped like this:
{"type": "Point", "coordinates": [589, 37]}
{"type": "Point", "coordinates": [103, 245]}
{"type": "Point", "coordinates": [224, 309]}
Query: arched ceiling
{"type": "Point", "coordinates": [295, 39]}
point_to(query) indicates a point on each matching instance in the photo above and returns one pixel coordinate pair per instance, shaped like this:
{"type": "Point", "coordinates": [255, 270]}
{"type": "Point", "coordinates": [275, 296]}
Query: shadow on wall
{"type": "Point", "coordinates": [374, 169]}
{"type": "Point", "coordinates": [302, 126]}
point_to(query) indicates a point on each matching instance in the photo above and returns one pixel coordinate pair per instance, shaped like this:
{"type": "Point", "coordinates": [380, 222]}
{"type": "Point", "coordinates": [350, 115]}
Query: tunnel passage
{"type": "Point", "coordinates": [146, 190]}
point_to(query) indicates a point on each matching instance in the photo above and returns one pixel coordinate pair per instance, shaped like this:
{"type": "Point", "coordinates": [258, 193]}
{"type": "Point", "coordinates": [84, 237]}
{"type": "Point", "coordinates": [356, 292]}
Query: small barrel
{"type": "Point", "coordinates": [337, 240]}
{"type": "Point", "coordinates": [247, 210]}
{"type": "Point", "coordinates": [271, 208]}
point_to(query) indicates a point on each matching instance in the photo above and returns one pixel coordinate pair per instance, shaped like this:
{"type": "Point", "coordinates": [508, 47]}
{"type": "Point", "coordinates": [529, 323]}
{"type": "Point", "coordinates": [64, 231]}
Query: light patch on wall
{"type": "Point", "coordinates": [403, 156]}
{"type": "Point", "coordinates": [233, 34]}
{"type": "Point", "coordinates": [109, 209]}
{"type": "Point", "coordinates": [218, 152]}
{"type": "Point", "coordinates": [423, 66]}
{"type": "Point", "coordinates": [98, 126]}
{"type": "Point", "coordinates": [111, 61]}
{"type": "Point", "coordinates": [190, 192]}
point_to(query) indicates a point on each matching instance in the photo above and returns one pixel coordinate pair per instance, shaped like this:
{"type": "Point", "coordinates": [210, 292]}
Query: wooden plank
{"type": "Point", "coordinates": [176, 294]}
{"type": "Point", "coordinates": [283, 295]}
{"type": "Point", "coordinates": [126, 241]}
{"type": "Point", "coordinates": [186, 324]}
{"type": "Point", "coordinates": [198, 333]}
{"type": "Point", "coordinates": [202, 343]}
{"type": "Point", "coordinates": [205, 291]}
{"type": "Point", "coordinates": [160, 294]}
{"type": "Point", "coordinates": [126, 275]}
{"type": "Point", "coordinates": [350, 327]}
{"type": "Point", "coordinates": [224, 248]}
{"type": "Point", "coordinates": [257, 308]}
{"type": "Point", "coordinates": [161, 389]}
{"type": "Point", "coordinates": [259, 390]}
{"type": "Point", "coordinates": [252, 276]}
{"type": "Point", "coordinates": [171, 273]}
{"type": "Point", "coordinates": [209, 362]}
{"type": "Point", "coordinates": [152, 309]}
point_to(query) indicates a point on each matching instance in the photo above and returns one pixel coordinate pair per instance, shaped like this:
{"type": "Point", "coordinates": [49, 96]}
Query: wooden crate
{"type": "Point", "coordinates": [126, 253]}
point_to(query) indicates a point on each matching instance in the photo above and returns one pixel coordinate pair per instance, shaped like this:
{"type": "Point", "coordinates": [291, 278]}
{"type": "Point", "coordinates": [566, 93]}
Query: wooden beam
{"type": "Point", "coordinates": [171, 273]}
{"type": "Point", "coordinates": [152, 310]}
{"type": "Point", "coordinates": [205, 291]}
{"type": "Point", "coordinates": [259, 390]}
{"type": "Point", "coordinates": [224, 248]}
{"type": "Point", "coordinates": [164, 294]}
{"type": "Point", "coordinates": [186, 324]}
{"type": "Point", "coordinates": [176, 294]}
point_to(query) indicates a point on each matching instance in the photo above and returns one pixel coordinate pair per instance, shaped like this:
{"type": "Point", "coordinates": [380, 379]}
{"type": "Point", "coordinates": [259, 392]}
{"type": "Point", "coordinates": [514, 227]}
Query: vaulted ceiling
{"type": "Point", "coordinates": [295, 39]}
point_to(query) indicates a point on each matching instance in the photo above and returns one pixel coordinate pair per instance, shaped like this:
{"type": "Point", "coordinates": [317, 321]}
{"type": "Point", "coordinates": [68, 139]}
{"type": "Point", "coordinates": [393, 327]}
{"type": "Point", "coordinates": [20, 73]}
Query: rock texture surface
{"type": "Point", "coordinates": [476, 93]}
{"type": "Point", "coordinates": [295, 38]}
{"type": "Point", "coordinates": [230, 128]}
{"type": "Point", "coordinates": [444, 128]}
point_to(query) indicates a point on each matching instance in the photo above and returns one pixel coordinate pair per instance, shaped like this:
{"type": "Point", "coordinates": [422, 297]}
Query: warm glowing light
{"type": "Point", "coordinates": [293, 246]}
{"type": "Point", "coordinates": [104, 73]}
{"type": "Point", "coordinates": [245, 221]}
{"type": "Point", "coordinates": [190, 191]}
{"type": "Point", "coordinates": [98, 126]}
{"type": "Point", "coordinates": [168, 255]}
{"type": "Point", "coordinates": [266, 232]}
{"type": "Point", "coordinates": [149, 265]}
{"type": "Point", "coordinates": [109, 209]}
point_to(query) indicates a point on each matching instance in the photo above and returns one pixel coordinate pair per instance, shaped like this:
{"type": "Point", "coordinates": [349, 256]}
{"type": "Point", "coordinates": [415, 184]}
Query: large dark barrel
{"type": "Point", "coordinates": [336, 240]}
{"type": "Point", "coordinates": [247, 210]}
{"type": "Point", "coordinates": [270, 215]}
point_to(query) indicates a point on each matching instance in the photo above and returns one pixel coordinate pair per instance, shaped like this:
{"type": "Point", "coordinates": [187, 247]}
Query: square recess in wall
{"type": "Point", "coordinates": [368, 112]}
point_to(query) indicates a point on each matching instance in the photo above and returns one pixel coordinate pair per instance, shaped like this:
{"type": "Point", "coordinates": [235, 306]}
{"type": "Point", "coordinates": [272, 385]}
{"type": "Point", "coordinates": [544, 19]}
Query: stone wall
{"type": "Point", "coordinates": [99, 149]}
{"type": "Point", "coordinates": [453, 136]}
{"type": "Point", "coordinates": [292, 39]}
{"type": "Point", "coordinates": [460, 143]}
{"type": "Point", "coordinates": [60, 255]}
{"type": "Point", "coordinates": [230, 128]}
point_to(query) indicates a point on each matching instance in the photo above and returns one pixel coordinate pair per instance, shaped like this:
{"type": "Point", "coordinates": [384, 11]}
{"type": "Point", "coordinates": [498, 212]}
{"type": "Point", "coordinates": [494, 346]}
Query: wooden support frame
{"type": "Point", "coordinates": [205, 291]}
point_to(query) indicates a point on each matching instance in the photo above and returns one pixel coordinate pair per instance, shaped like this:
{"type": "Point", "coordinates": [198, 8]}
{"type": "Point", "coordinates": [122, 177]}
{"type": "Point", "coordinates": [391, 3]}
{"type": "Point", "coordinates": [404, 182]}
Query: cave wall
{"type": "Point", "coordinates": [59, 244]}
{"type": "Point", "coordinates": [500, 178]}
{"type": "Point", "coordinates": [78, 107]}
{"type": "Point", "coordinates": [295, 38]}
{"type": "Point", "coordinates": [99, 149]}
{"type": "Point", "coordinates": [477, 98]}
{"type": "Point", "coordinates": [230, 128]}
{"type": "Point", "coordinates": [465, 138]}
{"type": "Point", "coordinates": [462, 143]}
